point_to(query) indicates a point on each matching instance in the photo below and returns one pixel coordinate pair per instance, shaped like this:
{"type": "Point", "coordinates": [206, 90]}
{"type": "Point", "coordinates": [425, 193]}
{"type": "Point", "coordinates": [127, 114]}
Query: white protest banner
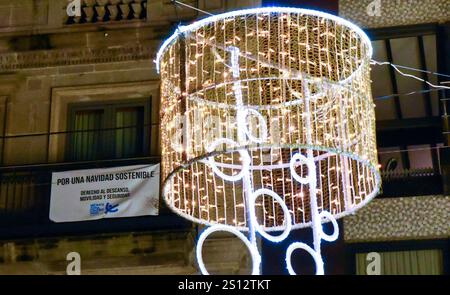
{"type": "Point", "coordinates": [105, 193]}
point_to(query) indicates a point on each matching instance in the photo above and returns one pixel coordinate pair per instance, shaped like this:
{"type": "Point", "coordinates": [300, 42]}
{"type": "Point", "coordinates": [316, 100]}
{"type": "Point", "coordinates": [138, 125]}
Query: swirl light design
{"type": "Point", "coordinates": [268, 125]}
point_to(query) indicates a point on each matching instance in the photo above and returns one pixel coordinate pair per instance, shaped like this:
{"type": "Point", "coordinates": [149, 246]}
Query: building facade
{"type": "Point", "coordinates": [80, 92]}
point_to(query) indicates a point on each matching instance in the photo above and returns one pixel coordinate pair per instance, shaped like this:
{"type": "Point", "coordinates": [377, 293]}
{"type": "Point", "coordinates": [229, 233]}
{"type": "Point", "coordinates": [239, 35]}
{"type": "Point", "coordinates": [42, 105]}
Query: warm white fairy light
{"type": "Point", "coordinates": [268, 108]}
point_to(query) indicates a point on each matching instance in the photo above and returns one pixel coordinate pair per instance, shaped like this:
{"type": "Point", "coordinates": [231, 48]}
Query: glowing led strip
{"type": "Point", "coordinates": [245, 157]}
{"type": "Point", "coordinates": [262, 124]}
{"type": "Point", "coordinates": [244, 134]}
{"type": "Point", "coordinates": [287, 215]}
{"type": "Point", "coordinates": [335, 234]}
{"type": "Point", "coordinates": [311, 168]}
{"type": "Point", "coordinates": [317, 257]}
{"type": "Point", "coordinates": [256, 258]}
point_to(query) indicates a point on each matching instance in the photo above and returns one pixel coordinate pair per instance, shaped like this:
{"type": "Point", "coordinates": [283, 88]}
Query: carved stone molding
{"type": "Point", "coordinates": [108, 11]}
{"type": "Point", "coordinates": [65, 57]}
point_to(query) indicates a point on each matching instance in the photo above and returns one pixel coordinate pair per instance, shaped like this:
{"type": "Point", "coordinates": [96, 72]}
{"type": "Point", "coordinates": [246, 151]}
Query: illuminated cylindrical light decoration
{"type": "Point", "coordinates": [268, 124]}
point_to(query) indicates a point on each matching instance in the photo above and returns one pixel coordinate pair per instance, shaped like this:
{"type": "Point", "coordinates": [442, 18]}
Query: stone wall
{"type": "Point", "coordinates": [395, 12]}
{"type": "Point", "coordinates": [24, 13]}
{"type": "Point", "coordinates": [127, 253]}
{"type": "Point", "coordinates": [407, 218]}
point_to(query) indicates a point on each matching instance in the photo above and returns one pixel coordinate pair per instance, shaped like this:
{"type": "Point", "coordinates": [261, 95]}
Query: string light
{"type": "Point", "coordinates": [268, 104]}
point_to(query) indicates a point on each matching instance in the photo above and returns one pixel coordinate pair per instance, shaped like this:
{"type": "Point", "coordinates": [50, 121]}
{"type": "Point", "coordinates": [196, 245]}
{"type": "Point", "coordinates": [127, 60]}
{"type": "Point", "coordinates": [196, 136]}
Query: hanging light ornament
{"type": "Point", "coordinates": [268, 125]}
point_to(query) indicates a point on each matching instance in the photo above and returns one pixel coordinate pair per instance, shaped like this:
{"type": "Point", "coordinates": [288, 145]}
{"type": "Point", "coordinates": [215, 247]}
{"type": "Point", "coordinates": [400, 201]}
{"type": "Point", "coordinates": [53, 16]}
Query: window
{"type": "Point", "coordinates": [108, 130]}
{"type": "Point", "coordinates": [419, 262]}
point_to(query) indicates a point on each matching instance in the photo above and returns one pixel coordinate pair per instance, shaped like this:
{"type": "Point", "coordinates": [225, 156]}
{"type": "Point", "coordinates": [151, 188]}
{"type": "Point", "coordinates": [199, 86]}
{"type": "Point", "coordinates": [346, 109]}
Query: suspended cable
{"type": "Point", "coordinates": [374, 62]}
{"type": "Point", "coordinates": [419, 70]}
{"type": "Point", "coordinates": [77, 131]}
{"type": "Point", "coordinates": [192, 7]}
{"type": "Point", "coordinates": [406, 94]}
{"type": "Point", "coordinates": [414, 150]}
{"type": "Point", "coordinates": [176, 10]}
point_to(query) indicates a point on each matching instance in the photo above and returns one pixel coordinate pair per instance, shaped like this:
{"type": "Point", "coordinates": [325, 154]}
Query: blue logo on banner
{"type": "Point", "coordinates": [99, 208]}
{"type": "Point", "coordinates": [111, 208]}
{"type": "Point", "coordinates": [96, 209]}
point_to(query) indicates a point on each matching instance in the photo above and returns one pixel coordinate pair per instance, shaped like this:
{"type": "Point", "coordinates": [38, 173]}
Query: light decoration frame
{"type": "Point", "coordinates": [273, 104]}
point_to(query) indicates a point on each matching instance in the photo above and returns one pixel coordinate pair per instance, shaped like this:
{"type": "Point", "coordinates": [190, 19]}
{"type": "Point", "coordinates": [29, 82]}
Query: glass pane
{"type": "Point", "coordinates": [129, 133]}
{"type": "Point", "coordinates": [85, 145]}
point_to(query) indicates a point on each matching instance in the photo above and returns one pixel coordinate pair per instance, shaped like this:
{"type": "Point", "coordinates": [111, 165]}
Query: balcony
{"type": "Point", "coordinates": [25, 189]}
{"type": "Point", "coordinates": [412, 170]}
{"type": "Point", "coordinates": [411, 182]}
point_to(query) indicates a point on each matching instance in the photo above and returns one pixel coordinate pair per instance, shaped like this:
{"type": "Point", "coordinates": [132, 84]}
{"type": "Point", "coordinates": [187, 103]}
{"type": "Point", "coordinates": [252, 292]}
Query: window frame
{"type": "Point", "coordinates": [110, 108]}
{"type": "Point", "coordinates": [352, 249]}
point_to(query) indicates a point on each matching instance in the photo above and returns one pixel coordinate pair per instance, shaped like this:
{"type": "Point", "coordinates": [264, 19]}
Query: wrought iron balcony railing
{"type": "Point", "coordinates": [411, 182]}
{"type": "Point", "coordinates": [25, 189]}
{"type": "Point", "coordinates": [25, 203]}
